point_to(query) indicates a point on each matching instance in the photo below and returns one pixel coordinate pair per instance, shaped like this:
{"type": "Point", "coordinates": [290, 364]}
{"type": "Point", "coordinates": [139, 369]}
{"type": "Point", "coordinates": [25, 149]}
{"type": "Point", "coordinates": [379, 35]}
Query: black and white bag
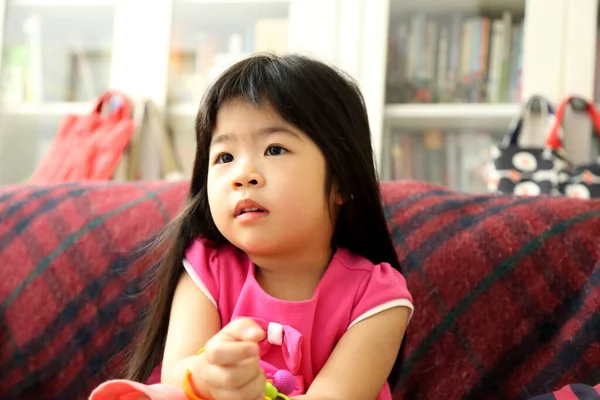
{"type": "Point", "coordinates": [528, 170]}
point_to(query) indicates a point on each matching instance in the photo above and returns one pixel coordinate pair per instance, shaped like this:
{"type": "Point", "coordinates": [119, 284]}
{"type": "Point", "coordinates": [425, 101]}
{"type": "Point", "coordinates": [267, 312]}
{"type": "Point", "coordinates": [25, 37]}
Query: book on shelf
{"type": "Point", "coordinates": [456, 159]}
{"type": "Point", "coordinates": [193, 69]}
{"type": "Point", "coordinates": [454, 57]}
{"type": "Point", "coordinates": [419, 156]}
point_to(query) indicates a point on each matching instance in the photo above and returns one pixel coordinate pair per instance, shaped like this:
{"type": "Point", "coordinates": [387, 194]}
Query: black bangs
{"type": "Point", "coordinates": [290, 84]}
{"type": "Point", "coordinates": [254, 81]}
{"type": "Point", "coordinates": [261, 79]}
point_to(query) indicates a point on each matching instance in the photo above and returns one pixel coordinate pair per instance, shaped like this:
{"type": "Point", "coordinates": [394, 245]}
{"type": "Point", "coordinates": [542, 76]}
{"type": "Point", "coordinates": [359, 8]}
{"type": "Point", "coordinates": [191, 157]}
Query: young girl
{"type": "Point", "coordinates": [280, 266]}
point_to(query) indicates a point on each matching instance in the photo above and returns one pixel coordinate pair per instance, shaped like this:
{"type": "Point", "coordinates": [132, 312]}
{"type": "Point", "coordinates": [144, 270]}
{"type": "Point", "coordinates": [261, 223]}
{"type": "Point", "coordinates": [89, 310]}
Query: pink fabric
{"type": "Point", "coordinates": [351, 287]}
{"type": "Point", "coordinates": [300, 335]}
{"type": "Point", "coordinates": [127, 390]}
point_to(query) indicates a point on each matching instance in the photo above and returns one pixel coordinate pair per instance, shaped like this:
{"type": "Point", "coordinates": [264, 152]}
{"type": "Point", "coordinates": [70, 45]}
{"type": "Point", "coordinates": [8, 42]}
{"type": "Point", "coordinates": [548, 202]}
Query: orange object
{"type": "Point", "coordinates": [188, 387]}
{"type": "Point", "coordinates": [89, 147]}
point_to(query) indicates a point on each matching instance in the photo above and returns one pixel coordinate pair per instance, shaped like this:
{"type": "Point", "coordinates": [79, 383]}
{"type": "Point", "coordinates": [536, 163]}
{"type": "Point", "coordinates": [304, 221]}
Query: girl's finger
{"type": "Point", "coordinates": [234, 378]}
{"type": "Point", "coordinates": [252, 389]}
{"type": "Point", "coordinates": [243, 329]}
{"type": "Point", "coordinates": [227, 353]}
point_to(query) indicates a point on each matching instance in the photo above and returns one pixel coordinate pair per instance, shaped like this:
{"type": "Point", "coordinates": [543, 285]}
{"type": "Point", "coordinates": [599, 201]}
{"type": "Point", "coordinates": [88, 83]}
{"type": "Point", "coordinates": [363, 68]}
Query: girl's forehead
{"type": "Point", "coordinates": [246, 105]}
{"type": "Point", "coordinates": [236, 112]}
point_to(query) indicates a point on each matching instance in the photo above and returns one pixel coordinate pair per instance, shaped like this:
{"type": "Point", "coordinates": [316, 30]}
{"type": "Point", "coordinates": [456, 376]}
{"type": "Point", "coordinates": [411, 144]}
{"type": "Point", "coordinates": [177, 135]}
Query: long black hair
{"type": "Point", "coordinates": [323, 103]}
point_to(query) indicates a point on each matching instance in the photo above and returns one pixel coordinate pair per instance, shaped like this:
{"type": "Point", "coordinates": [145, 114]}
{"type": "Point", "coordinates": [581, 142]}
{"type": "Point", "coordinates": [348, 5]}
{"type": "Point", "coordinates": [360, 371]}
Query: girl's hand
{"type": "Point", "coordinates": [231, 370]}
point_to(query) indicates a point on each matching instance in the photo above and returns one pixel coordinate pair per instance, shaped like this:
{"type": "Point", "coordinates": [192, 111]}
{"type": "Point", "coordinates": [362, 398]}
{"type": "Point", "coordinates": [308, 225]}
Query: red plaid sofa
{"type": "Point", "coordinates": [506, 289]}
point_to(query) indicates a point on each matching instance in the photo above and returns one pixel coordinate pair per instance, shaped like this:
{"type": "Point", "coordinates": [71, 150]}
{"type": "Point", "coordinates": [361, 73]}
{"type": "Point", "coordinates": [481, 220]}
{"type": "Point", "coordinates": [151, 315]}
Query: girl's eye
{"type": "Point", "coordinates": [275, 150]}
{"type": "Point", "coordinates": [224, 158]}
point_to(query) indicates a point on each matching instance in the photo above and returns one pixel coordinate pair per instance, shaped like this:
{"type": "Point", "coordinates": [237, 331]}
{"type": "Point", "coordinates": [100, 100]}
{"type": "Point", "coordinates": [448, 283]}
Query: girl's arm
{"type": "Point", "coordinates": [193, 320]}
{"type": "Point", "coordinates": [362, 360]}
{"type": "Point", "coordinates": [229, 368]}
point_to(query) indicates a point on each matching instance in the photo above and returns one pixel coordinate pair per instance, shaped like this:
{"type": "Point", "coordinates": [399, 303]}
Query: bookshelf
{"type": "Point", "coordinates": [56, 58]}
{"type": "Point", "coordinates": [183, 110]}
{"type": "Point", "coordinates": [549, 54]}
{"type": "Point", "coordinates": [49, 109]}
{"type": "Point", "coordinates": [452, 116]}
{"type": "Point", "coordinates": [61, 3]}
{"type": "Point", "coordinates": [56, 51]}
{"type": "Point", "coordinates": [453, 85]}
{"type": "Point", "coordinates": [209, 36]}
{"type": "Point", "coordinates": [456, 158]}
{"type": "Point", "coordinates": [163, 57]}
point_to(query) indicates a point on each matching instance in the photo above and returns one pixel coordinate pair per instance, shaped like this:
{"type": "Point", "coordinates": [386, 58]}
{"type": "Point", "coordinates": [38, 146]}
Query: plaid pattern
{"type": "Point", "coordinates": [72, 262]}
{"type": "Point", "coordinates": [506, 289]}
{"type": "Point", "coordinates": [573, 392]}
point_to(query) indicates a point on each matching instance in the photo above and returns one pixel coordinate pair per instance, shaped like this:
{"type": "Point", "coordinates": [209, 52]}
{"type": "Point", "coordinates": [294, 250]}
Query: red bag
{"type": "Point", "coordinates": [89, 147]}
{"type": "Point", "coordinates": [582, 180]}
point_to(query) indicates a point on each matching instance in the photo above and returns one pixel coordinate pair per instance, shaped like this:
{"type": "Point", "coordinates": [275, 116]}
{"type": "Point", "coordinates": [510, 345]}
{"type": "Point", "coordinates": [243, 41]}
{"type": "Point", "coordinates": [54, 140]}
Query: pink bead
{"type": "Point", "coordinates": [284, 381]}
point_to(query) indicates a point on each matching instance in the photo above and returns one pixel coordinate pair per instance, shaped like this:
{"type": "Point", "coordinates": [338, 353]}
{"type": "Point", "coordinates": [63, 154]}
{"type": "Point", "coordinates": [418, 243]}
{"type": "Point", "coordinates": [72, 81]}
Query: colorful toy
{"type": "Point", "coordinates": [272, 387]}
{"type": "Point", "coordinates": [284, 381]}
{"type": "Point", "coordinates": [271, 393]}
{"type": "Point", "coordinates": [277, 385]}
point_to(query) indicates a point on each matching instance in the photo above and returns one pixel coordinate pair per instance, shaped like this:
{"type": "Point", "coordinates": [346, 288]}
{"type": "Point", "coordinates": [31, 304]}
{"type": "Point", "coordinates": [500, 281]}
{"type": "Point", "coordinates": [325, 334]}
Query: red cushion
{"type": "Point", "coordinates": [70, 256]}
{"type": "Point", "coordinates": [506, 292]}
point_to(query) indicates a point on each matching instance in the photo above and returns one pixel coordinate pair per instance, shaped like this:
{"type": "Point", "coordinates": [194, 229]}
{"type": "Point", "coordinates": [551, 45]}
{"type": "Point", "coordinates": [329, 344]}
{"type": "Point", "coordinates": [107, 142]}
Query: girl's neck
{"type": "Point", "coordinates": [292, 278]}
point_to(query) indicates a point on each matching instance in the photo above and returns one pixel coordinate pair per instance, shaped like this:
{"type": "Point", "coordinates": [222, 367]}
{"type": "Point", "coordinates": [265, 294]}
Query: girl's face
{"type": "Point", "coordinates": [266, 182]}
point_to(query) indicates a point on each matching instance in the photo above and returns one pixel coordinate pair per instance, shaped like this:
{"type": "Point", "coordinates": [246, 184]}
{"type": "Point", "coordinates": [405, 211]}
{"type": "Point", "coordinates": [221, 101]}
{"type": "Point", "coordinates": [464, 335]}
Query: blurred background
{"type": "Point", "coordinates": [443, 79]}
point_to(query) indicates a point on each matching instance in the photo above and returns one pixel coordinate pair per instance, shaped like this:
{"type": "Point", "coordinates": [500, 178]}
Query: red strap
{"type": "Point", "coordinates": [124, 109]}
{"type": "Point", "coordinates": [553, 140]}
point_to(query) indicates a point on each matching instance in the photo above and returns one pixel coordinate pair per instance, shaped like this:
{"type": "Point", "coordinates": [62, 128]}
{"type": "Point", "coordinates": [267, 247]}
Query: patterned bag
{"type": "Point", "coordinates": [528, 170]}
{"type": "Point", "coordinates": [583, 180]}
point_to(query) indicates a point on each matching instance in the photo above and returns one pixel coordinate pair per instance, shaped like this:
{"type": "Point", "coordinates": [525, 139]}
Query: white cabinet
{"type": "Point", "coordinates": [453, 81]}
{"type": "Point", "coordinates": [56, 57]}
{"type": "Point", "coordinates": [209, 36]}
{"type": "Point", "coordinates": [442, 79]}
{"type": "Point", "coordinates": [456, 72]}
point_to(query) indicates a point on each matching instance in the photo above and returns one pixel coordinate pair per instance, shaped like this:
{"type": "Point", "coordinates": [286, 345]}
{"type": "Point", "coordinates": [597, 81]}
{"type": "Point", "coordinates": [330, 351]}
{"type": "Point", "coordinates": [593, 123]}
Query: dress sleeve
{"type": "Point", "coordinates": [202, 264]}
{"type": "Point", "coordinates": [383, 289]}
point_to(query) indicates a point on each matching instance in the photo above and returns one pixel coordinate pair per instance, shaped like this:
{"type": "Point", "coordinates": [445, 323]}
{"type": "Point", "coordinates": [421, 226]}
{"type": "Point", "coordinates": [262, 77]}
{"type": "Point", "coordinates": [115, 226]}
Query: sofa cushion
{"type": "Point", "coordinates": [506, 289]}
{"type": "Point", "coordinates": [72, 267]}
{"type": "Point", "coordinates": [506, 292]}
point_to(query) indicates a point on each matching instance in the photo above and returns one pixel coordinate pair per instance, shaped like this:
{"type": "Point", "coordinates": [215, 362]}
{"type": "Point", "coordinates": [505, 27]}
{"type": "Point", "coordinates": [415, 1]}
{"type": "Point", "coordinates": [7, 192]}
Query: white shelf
{"type": "Point", "coordinates": [418, 116]}
{"type": "Point", "coordinates": [60, 3]}
{"type": "Point", "coordinates": [46, 109]}
{"type": "Point", "coordinates": [193, 15]}
{"type": "Point", "coordinates": [244, 2]}
{"type": "Point", "coordinates": [451, 116]}
{"type": "Point", "coordinates": [183, 110]}
{"type": "Point", "coordinates": [397, 7]}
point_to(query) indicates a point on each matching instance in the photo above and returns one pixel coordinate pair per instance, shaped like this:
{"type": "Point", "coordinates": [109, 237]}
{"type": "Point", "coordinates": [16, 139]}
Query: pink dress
{"type": "Point", "coordinates": [300, 335]}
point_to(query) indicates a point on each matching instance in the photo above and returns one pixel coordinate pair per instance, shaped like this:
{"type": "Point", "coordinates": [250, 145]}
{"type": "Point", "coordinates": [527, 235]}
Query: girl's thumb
{"type": "Point", "coordinates": [253, 334]}
{"type": "Point", "coordinates": [246, 329]}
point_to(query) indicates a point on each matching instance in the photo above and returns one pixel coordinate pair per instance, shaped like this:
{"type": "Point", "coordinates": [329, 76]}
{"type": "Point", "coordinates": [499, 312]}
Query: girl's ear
{"type": "Point", "coordinates": [338, 197]}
